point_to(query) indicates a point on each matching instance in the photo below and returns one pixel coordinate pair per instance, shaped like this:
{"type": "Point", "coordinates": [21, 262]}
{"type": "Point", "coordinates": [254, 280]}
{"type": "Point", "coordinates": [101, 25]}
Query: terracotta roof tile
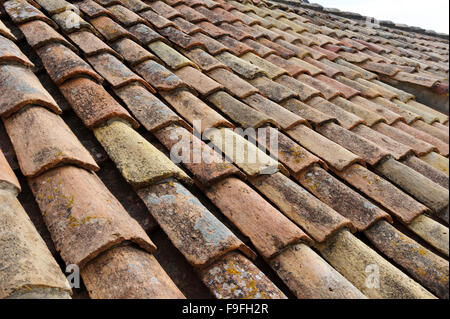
{"type": "Point", "coordinates": [284, 118]}
{"type": "Point", "coordinates": [233, 84]}
{"type": "Point", "coordinates": [42, 140]}
{"type": "Point", "coordinates": [191, 108]}
{"type": "Point", "coordinates": [208, 167]}
{"type": "Point", "coordinates": [437, 161]}
{"type": "Point", "coordinates": [63, 64]}
{"type": "Point", "coordinates": [346, 119]}
{"type": "Point", "coordinates": [237, 33]}
{"type": "Point", "coordinates": [158, 76]}
{"type": "Point", "coordinates": [307, 112]}
{"type": "Point", "coordinates": [435, 197]}
{"type": "Point", "coordinates": [260, 49]}
{"type": "Point", "coordinates": [427, 170]}
{"type": "Point", "coordinates": [203, 238]}
{"type": "Point", "coordinates": [21, 87]}
{"type": "Point", "coordinates": [8, 179]}
{"type": "Point", "coordinates": [10, 53]}
{"type": "Point", "coordinates": [442, 147]}
{"type": "Point", "coordinates": [186, 26]}
{"type": "Point", "coordinates": [281, 50]}
{"type": "Point", "coordinates": [4, 31]}
{"type": "Point", "coordinates": [92, 9]}
{"type": "Point", "coordinates": [30, 270]}
{"type": "Point", "coordinates": [150, 111]}
{"type": "Point", "coordinates": [425, 127]}
{"type": "Point", "coordinates": [140, 276]}
{"type": "Point", "coordinates": [244, 280]}
{"type": "Point", "coordinates": [228, 196]}
{"type": "Point", "coordinates": [132, 52]}
{"type": "Point", "coordinates": [273, 90]}
{"type": "Point", "coordinates": [212, 16]}
{"type": "Point", "coordinates": [64, 21]}
{"type": "Point", "coordinates": [134, 5]}
{"type": "Point", "coordinates": [316, 218]}
{"type": "Point", "coordinates": [426, 267]}
{"type": "Point", "coordinates": [125, 16]}
{"type": "Point", "coordinates": [165, 10]}
{"type": "Point", "coordinates": [55, 6]}
{"type": "Point", "coordinates": [21, 11]}
{"type": "Point", "coordinates": [78, 191]}
{"type": "Point", "coordinates": [239, 112]}
{"type": "Point", "coordinates": [190, 14]}
{"type": "Point", "coordinates": [204, 60]}
{"type": "Point", "coordinates": [272, 70]}
{"type": "Point", "coordinates": [236, 47]}
{"type": "Point", "coordinates": [310, 277]}
{"type": "Point", "coordinates": [369, 117]}
{"type": "Point", "coordinates": [140, 163]}
{"type": "Point", "coordinates": [169, 56]}
{"type": "Point", "coordinates": [212, 30]}
{"type": "Point", "coordinates": [111, 30]}
{"type": "Point", "coordinates": [197, 80]}
{"type": "Point", "coordinates": [181, 39]}
{"type": "Point", "coordinates": [212, 46]}
{"type": "Point", "coordinates": [157, 21]}
{"type": "Point", "coordinates": [145, 34]}
{"type": "Point", "coordinates": [92, 103]}
{"type": "Point", "coordinates": [90, 44]}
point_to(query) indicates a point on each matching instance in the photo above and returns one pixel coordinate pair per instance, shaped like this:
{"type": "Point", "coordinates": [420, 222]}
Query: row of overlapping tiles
{"type": "Point", "coordinates": [150, 172]}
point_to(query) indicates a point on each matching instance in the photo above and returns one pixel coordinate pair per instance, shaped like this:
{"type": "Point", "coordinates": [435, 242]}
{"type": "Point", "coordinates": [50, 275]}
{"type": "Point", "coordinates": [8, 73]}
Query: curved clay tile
{"type": "Point", "coordinates": [205, 164]}
{"type": "Point", "coordinates": [62, 64]}
{"type": "Point", "coordinates": [91, 45]}
{"type": "Point", "coordinates": [11, 54]}
{"type": "Point", "coordinates": [203, 238]}
{"type": "Point", "coordinates": [8, 179]}
{"type": "Point", "coordinates": [21, 11]}
{"type": "Point", "coordinates": [21, 87]}
{"type": "Point", "coordinates": [92, 103]}
{"type": "Point", "coordinates": [139, 162]}
{"type": "Point", "coordinates": [42, 140]}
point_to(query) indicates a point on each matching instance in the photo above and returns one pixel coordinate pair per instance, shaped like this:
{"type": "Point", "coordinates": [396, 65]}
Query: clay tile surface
{"type": "Point", "coordinates": [4, 31]}
{"type": "Point", "coordinates": [39, 34]}
{"type": "Point", "coordinates": [62, 64]}
{"type": "Point", "coordinates": [115, 72]}
{"type": "Point", "coordinates": [21, 11]}
{"type": "Point", "coordinates": [92, 103]}
{"type": "Point", "coordinates": [307, 112]}
{"type": "Point", "coordinates": [261, 50]}
{"type": "Point", "coordinates": [83, 217]}
{"type": "Point", "coordinates": [283, 118]}
{"type": "Point", "coordinates": [42, 141]}
{"type": "Point", "coordinates": [239, 112]}
{"type": "Point", "coordinates": [361, 212]}
{"type": "Point", "coordinates": [203, 238]}
{"type": "Point", "coordinates": [232, 83]}
{"type": "Point", "coordinates": [157, 21]}
{"type": "Point", "coordinates": [273, 90]}
{"type": "Point", "coordinates": [145, 34]}
{"type": "Point", "coordinates": [212, 46]}
{"type": "Point", "coordinates": [28, 264]}
{"type": "Point", "coordinates": [244, 280]}
{"type": "Point", "coordinates": [170, 56]}
{"type": "Point", "coordinates": [204, 60]}
{"type": "Point", "coordinates": [125, 16]}
{"type": "Point", "coordinates": [149, 110]}
{"type": "Point", "coordinates": [207, 167]}
{"type": "Point", "coordinates": [333, 154]}
{"type": "Point", "coordinates": [190, 14]}
{"type": "Point", "coordinates": [111, 30]}
{"type": "Point", "coordinates": [212, 30]}
{"type": "Point", "coordinates": [135, 5]}
{"type": "Point", "coordinates": [193, 109]}
{"type": "Point", "coordinates": [186, 26]}
{"type": "Point", "coordinates": [8, 179]}
{"type": "Point", "coordinates": [271, 233]}
{"type": "Point", "coordinates": [90, 44]}
{"type": "Point", "coordinates": [399, 204]}
{"type": "Point", "coordinates": [92, 9]}
{"type": "Point", "coordinates": [181, 39]}
{"type": "Point", "coordinates": [140, 276]}
{"type": "Point", "coordinates": [240, 66]}
{"type": "Point", "coordinates": [236, 47]}
{"type": "Point", "coordinates": [165, 10]}
{"type": "Point", "coordinates": [140, 163]}
{"type": "Point", "coordinates": [316, 218]}
{"type": "Point", "coordinates": [197, 80]}
{"type": "Point", "coordinates": [158, 76]}
{"type": "Point", "coordinates": [20, 87]}
{"type": "Point", "coordinates": [10, 53]}
{"type": "Point", "coordinates": [346, 119]}
{"type": "Point", "coordinates": [369, 152]}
